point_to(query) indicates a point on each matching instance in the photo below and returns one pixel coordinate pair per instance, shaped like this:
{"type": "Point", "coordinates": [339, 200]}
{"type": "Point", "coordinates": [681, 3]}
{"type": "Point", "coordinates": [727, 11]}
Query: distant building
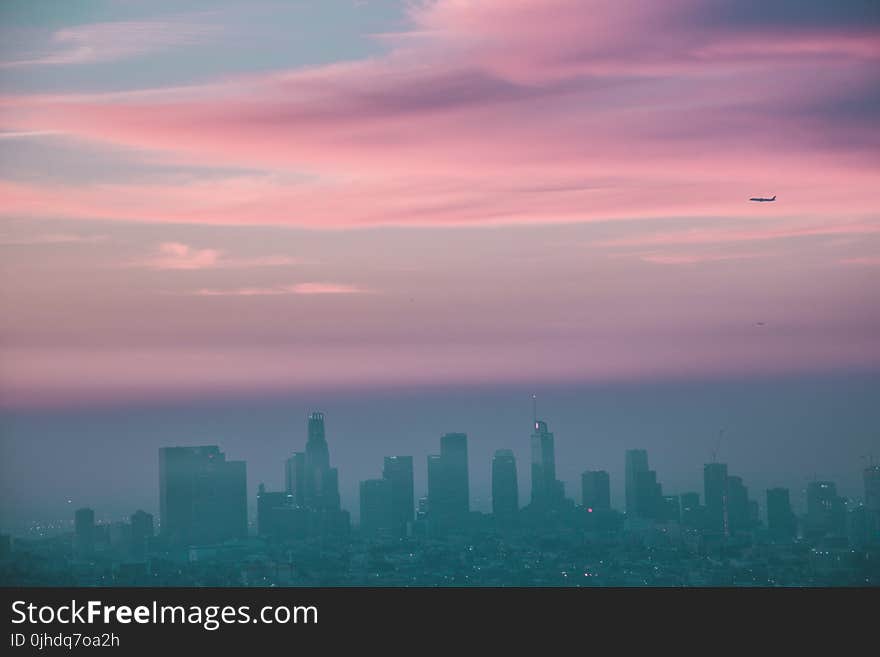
{"type": "Point", "coordinates": [141, 533]}
{"type": "Point", "coordinates": [738, 511]}
{"type": "Point", "coordinates": [398, 471]}
{"type": "Point", "coordinates": [505, 488]}
{"type": "Point", "coordinates": [715, 494]}
{"type": "Point", "coordinates": [636, 463]}
{"type": "Point", "coordinates": [321, 482]}
{"type": "Point", "coordinates": [671, 508]}
{"type": "Point", "coordinates": [596, 490]}
{"type": "Point", "coordinates": [84, 533]}
{"type": "Point", "coordinates": [448, 487]}
{"type": "Point", "coordinates": [692, 514]}
{"type": "Point", "coordinates": [872, 504]}
{"type": "Point", "coordinates": [781, 521]}
{"type": "Point", "coordinates": [547, 491]}
{"type": "Point", "coordinates": [376, 502]}
{"type": "Point", "coordinates": [202, 496]}
{"type": "Point", "coordinates": [826, 510]}
{"type": "Point", "coordinates": [295, 477]}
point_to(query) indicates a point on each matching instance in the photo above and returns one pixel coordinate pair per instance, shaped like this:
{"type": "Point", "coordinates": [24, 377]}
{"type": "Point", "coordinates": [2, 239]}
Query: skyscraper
{"type": "Point", "coordinates": [547, 491]}
{"type": "Point", "coordinates": [295, 477]}
{"type": "Point", "coordinates": [321, 485]}
{"type": "Point", "coordinates": [872, 503]}
{"type": "Point", "coordinates": [505, 488]}
{"type": "Point", "coordinates": [83, 532]}
{"type": "Point", "coordinates": [596, 490]}
{"type": "Point", "coordinates": [636, 462]}
{"type": "Point", "coordinates": [715, 493]}
{"type": "Point", "coordinates": [141, 533]}
{"type": "Point", "coordinates": [202, 496]}
{"type": "Point", "coordinates": [781, 521]}
{"type": "Point", "coordinates": [738, 512]}
{"type": "Point", "coordinates": [448, 488]}
{"type": "Point", "coordinates": [826, 511]}
{"type": "Point", "coordinates": [398, 471]}
{"type": "Point", "coordinates": [376, 503]}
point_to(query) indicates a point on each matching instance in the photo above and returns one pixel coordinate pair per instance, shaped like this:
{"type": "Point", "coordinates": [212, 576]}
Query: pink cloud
{"type": "Point", "coordinates": [175, 255]}
{"type": "Point", "coordinates": [484, 112]}
{"type": "Point", "coordinates": [297, 288]}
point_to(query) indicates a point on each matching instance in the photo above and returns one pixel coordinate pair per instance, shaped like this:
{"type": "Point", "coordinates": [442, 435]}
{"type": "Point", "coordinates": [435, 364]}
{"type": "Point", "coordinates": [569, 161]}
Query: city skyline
{"type": "Point", "coordinates": [303, 486]}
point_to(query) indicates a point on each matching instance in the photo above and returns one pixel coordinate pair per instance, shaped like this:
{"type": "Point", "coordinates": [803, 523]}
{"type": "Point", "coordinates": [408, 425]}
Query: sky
{"type": "Point", "coordinates": [209, 201]}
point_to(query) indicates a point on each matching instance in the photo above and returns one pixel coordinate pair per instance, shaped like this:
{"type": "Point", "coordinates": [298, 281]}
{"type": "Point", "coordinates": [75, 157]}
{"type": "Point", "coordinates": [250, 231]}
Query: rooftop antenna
{"type": "Point", "coordinates": [535, 409]}
{"type": "Point", "coordinates": [717, 446]}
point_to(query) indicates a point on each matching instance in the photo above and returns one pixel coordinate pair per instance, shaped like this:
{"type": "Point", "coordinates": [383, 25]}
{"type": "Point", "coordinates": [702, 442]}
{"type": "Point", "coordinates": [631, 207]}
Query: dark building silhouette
{"type": "Point", "coordinates": [547, 491]}
{"type": "Point", "coordinates": [636, 462]}
{"type": "Point", "coordinates": [321, 482]}
{"type": "Point", "coordinates": [692, 514]}
{"type": "Point", "coordinates": [872, 504]}
{"type": "Point", "coordinates": [84, 533]}
{"type": "Point", "coordinates": [738, 507]}
{"type": "Point", "coordinates": [648, 503]}
{"type": "Point", "coordinates": [141, 533]}
{"type": "Point", "coordinates": [596, 490]}
{"type": "Point", "coordinates": [295, 477]}
{"type": "Point", "coordinates": [505, 488]}
{"type": "Point", "coordinates": [826, 511]}
{"type": "Point", "coordinates": [781, 521]}
{"type": "Point", "coordinates": [398, 471]}
{"type": "Point", "coordinates": [202, 496]}
{"type": "Point", "coordinates": [671, 508]}
{"type": "Point", "coordinates": [715, 494]}
{"type": "Point", "coordinates": [376, 505]}
{"type": "Point", "coordinates": [448, 488]}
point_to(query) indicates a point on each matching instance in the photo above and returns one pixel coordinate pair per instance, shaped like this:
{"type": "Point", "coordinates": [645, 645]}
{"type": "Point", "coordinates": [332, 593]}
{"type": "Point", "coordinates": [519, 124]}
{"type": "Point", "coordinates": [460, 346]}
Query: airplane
{"type": "Point", "coordinates": [763, 200]}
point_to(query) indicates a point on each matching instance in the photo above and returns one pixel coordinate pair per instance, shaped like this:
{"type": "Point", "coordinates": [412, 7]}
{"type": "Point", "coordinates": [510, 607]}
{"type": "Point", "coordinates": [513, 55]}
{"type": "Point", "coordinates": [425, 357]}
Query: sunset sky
{"type": "Point", "coordinates": [207, 198]}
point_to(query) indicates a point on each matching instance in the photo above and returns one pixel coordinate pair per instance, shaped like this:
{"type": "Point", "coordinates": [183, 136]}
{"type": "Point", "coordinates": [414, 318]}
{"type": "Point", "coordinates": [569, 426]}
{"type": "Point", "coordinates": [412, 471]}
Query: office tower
{"type": "Point", "coordinates": [83, 532]}
{"type": "Point", "coordinates": [636, 462]}
{"type": "Point", "coordinates": [377, 515]}
{"type": "Point", "coordinates": [671, 508]}
{"type": "Point", "coordinates": [826, 511]}
{"type": "Point", "coordinates": [317, 463]}
{"type": "Point", "coordinates": [781, 521]}
{"type": "Point", "coordinates": [448, 489]}
{"type": "Point", "coordinates": [505, 488]}
{"type": "Point", "coordinates": [872, 503]}
{"type": "Point", "coordinates": [547, 491]}
{"type": "Point", "coordinates": [648, 501]}
{"type": "Point", "coordinates": [596, 490]}
{"type": "Point", "coordinates": [398, 470]}
{"type": "Point", "coordinates": [737, 505]}
{"type": "Point", "coordinates": [691, 511]}
{"type": "Point", "coordinates": [295, 477]}
{"type": "Point", "coordinates": [202, 496]}
{"type": "Point", "coordinates": [279, 516]}
{"type": "Point", "coordinates": [715, 494]}
{"type": "Point", "coordinates": [141, 533]}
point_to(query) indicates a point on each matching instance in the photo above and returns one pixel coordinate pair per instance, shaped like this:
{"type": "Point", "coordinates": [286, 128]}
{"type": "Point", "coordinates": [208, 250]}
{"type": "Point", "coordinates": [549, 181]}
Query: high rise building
{"type": "Point", "coordinates": [715, 494]}
{"type": "Point", "coordinates": [636, 462]}
{"type": "Point", "coordinates": [295, 477]}
{"type": "Point", "coordinates": [376, 500]}
{"type": "Point", "coordinates": [398, 471]}
{"type": "Point", "coordinates": [83, 532]}
{"type": "Point", "coordinates": [738, 512]}
{"type": "Point", "coordinates": [141, 533]}
{"type": "Point", "coordinates": [691, 511]}
{"type": "Point", "coordinates": [448, 488]}
{"type": "Point", "coordinates": [649, 503]}
{"type": "Point", "coordinates": [781, 521]}
{"type": "Point", "coordinates": [202, 496]}
{"type": "Point", "coordinates": [321, 482]}
{"type": "Point", "coordinates": [505, 488]}
{"type": "Point", "coordinates": [596, 490]}
{"type": "Point", "coordinates": [826, 511]}
{"type": "Point", "coordinates": [671, 508]}
{"type": "Point", "coordinates": [547, 491]}
{"type": "Point", "coordinates": [872, 504]}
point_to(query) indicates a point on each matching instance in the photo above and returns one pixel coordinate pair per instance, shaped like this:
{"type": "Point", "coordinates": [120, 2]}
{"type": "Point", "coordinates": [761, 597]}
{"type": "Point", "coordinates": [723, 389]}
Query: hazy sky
{"type": "Point", "coordinates": [211, 199]}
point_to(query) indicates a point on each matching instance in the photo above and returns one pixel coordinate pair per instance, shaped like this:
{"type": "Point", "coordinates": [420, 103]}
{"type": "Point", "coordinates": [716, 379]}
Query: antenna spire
{"type": "Point", "coordinates": [535, 408]}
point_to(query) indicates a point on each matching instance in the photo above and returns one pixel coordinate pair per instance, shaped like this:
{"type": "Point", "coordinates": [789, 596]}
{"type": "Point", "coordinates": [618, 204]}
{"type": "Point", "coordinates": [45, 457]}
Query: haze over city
{"type": "Point", "coordinates": [220, 216]}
